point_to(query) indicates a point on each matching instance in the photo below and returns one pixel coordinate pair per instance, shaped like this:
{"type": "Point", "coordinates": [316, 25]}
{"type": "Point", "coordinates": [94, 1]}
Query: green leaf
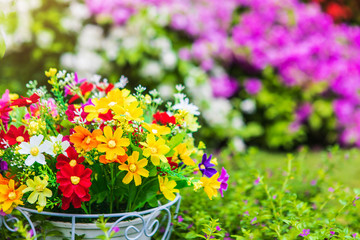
{"type": "Point", "coordinates": [176, 140]}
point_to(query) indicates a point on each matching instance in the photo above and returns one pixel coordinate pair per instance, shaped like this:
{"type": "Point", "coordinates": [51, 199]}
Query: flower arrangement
{"type": "Point", "coordinates": [89, 146]}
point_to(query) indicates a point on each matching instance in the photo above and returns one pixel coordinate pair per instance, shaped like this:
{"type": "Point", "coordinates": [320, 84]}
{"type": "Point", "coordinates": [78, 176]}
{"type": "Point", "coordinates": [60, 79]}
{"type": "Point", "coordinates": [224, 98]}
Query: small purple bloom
{"type": "Point", "coordinates": [2, 213]}
{"type": "Point", "coordinates": [252, 86]}
{"type": "Point", "coordinates": [331, 189]}
{"type": "Point", "coordinates": [3, 165]}
{"type": "Point", "coordinates": [313, 182]}
{"type": "Point", "coordinates": [332, 232]}
{"type": "Point", "coordinates": [354, 235]}
{"type": "Point", "coordinates": [116, 229]}
{"type": "Point", "coordinates": [218, 228]}
{"type": "Point", "coordinates": [257, 181]}
{"type": "Point", "coordinates": [224, 86]}
{"type": "Point", "coordinates": [253, 220]}
{"type": "Point", "coordinates": [305, 232]}
{"type": "Point", "coordinates": [180, 218]}
{"type": "Point", "coordinates": [223, 179]}
{"type": "Point", "coordinates": [206, 166]}
{"type": "Point", "coordinates": [31, 233]}
{"type": "Point", "coordinates": [190, 226]}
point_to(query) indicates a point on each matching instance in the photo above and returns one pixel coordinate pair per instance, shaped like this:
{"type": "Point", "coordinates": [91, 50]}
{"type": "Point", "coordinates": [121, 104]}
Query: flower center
{"type": "Point", "coordinates": [111, 144]}
{"type": "Point", "coordinates": [132, 167]}
{"type": "Point", "coordinates": [73, 163]}
{"type": "Point", "coordinates": [40, 187]}
{"type": "Point", "coordinates": [12, 195]}
{"type": "Point", "coordinates": [88, 140]}
{"type": "Point", "coordinates": [202, 167]}
{"type": "Point", "coordinates": [20, 139]}
{"type": "Point", "coordinates": [75, 180]}
{"type": "Point", "coordinates": [34, 151]}
{"type": "Point", "coordinates": [153, 150]}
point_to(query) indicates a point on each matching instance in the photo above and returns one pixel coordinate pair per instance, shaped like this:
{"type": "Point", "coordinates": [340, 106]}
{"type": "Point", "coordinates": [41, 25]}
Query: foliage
{"type": "Point", "coordinates": [279, 201]}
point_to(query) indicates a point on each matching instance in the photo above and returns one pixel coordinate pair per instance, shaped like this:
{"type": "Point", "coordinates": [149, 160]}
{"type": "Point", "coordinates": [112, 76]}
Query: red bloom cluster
{"type": "Point", "coordinates": [70, 112]}
{"type": "Point", "coordinates": [74, 179]}
{"type": "Point", "coordinates": [163, 118]}
{"type": "Point", "coordinates": [23, 101]}
{"type": "Point", "coordinates": [337, 11]}
{"type": "Point", "coordinates": [16, 135]}
{"type": "Point", "coordinates": [84, 88]}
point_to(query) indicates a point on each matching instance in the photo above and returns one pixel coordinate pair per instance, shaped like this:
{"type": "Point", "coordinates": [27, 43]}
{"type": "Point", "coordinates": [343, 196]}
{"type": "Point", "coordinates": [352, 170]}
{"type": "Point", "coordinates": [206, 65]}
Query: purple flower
{"type": "Point", "coordinates": [3, 165]}
{"type": "Point", "coordinates": [313, 182]}
{"type": "Point", "coordinates": [223, 179]}
{"type": "Point", "coordinates": [31, 233]}
{"type": "Point", "coordinates": [253, 220]}
{"type": "Point", "coordinates": [190, 226]}
{"type": "Point", "coordinates": [257, 181]}
{"type": "Point", "coordinates": [305, 232]}
{"type": "Point", "coordinates": [354, 235]}
{"type": "Point", "coordinates": [2, 213]}
{"type": "Point", "coordinates": [206, 166]}
{"type": "Point", "coordinates": [180, 218]}
{"type": "Point", "coordinates": [224, 86]}
{"type": "Point", "coordinates": [331, 189]}
{"type": "Point", "coordinates": [116, 229]}
{"type": "Point", "coordinates": [218, 228]}
{"type": "Point", "coordinates": [332, 232]}
{"type": "Point", "coordinates": [252, 86]}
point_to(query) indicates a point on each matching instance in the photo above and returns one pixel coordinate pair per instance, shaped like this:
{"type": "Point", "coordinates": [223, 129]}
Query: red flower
{"type": "Point", "coordinates": [75, 200]}
{"type": "Point", "coordinates": [22, 102]}
{"type": "Point", "coordinates": [107, 116]}
{"type": "Point", "coordinates": [106, 89]}
{"type": "Point", "coordinates": [338, 12]}
{"type": "Point", "coordinates": [163, 118]}
{"type": "Point", "coordinates": [3, 141]}
{"type": "Point", "coordinates": [74, 113]}
{"type": "Point", "coordinates": [84, 88]}
{"type": "Point", "coordinates": [74, 181]}
{"type": "Point", "coordinates": [17, 135]}
{"type": "Point", "coordinates": [72, 160]}
{"type": "Point", "coordinates": [173, 165]}
{"type": "Point", "coordinates": [4, 114]}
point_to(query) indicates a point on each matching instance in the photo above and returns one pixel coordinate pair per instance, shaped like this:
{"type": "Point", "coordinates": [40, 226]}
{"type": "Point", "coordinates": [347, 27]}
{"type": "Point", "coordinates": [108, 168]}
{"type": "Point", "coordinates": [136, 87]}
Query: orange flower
{"type": "Point", "coordinates": [10, 197]}
{"type": "Point", "coordinates": [118, 158]}
{"type": "Point", "coordinates": [113, 143]}
{"type": "Point", "coordinates": [84, 139]}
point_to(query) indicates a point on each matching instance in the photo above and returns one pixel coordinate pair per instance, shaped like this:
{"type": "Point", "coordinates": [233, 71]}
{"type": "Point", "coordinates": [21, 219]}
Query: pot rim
{"type": "Point", "coordinates": [54, 214]}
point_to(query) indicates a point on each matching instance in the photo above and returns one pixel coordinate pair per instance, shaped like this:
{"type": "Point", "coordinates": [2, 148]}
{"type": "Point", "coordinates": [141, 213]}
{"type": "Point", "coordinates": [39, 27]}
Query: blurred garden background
{"type": "Point", "coordinates": [277, 83]}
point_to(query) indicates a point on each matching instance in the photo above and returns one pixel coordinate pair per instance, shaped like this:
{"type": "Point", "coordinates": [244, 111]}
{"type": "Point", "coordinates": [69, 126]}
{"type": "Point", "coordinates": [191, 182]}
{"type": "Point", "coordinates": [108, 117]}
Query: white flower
{"type": "Point", "coordinates": [122, 82]}
{"type": "Point", "coordinates": [248, 106]}
{"type": "Point", "coordinates": [185, 105]}
{"type": "Point", "coordinates": [238, 144]}
{"type": "Point", "coordinates": [35, 150]}
{"type": "Point", "coordinates": [57, 145]}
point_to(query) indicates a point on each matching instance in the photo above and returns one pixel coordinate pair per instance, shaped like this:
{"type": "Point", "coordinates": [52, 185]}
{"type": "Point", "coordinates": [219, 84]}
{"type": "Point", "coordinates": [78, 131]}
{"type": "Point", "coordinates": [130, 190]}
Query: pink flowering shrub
{"type": "Point", "coordinates": [311, 55]}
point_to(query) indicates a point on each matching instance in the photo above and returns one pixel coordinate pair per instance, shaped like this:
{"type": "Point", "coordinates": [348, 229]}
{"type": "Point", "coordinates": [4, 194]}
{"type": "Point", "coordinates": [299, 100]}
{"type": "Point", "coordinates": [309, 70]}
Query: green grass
{"type": "Point", "coordinates": [346, 168]}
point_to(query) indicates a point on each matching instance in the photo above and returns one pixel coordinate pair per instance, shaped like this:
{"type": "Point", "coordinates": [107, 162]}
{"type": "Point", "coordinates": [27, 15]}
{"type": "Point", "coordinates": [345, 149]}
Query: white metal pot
{"type": "Point", "coordinates": [132, 226]}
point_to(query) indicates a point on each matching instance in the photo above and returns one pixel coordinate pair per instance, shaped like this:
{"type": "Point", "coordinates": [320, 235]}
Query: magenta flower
{"type": "Point", "coordinates": [180, 218]}
{"type": "Point", "coordinates": [223, 179]}
{"type": "Point", "coordinates": [206, 167]}
{"type": "Point", "coordinates": [252, 86]}
{"type": "Point", "coordinates": [224, 86]}
{"type": "Point", "coordinates": [305, 232]}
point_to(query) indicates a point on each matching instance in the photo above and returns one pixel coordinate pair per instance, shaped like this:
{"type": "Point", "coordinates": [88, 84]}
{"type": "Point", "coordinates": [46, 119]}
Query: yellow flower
{"type": "Point", "coordinates": [156, 129]}
{"type": "Point", "coordinates": [167, 188]}
{"type": "Point", "coordinates": [211, 185]}
{"type": "Point", "coordinates": [130, 112]}
{"type": "Point", "coordinates": [135, 169]}
{"type": "Point", "coordinates": [155, 149]}
{"type": "Point", "coordinates": [119, 97]}
{"type": "Point", "coordinates": [101, 106]}
{"type": "Point", "coordinates": [183, 154]}
{"type": "Point", "coordinates": [39, 191]}
{"type": "Point", "coordinates": [9, 196]}
{"type": "Point", "coordinates": [51, 72]}
{"type": "Point", "coordinates": [113, 143]}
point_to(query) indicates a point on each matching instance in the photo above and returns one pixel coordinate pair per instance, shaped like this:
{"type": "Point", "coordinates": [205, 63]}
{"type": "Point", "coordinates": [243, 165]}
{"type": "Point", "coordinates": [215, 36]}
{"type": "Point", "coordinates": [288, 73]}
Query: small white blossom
{"type": "Point", "coordinates": [122, 82]}
{"type": "Point", "coordinates": [57, 145]}
{"type": "Point", "coordinates": [186, 105]}
{"type": "Point", "coordinates": [248, 106]}
{"type": "Point", "coordinates": [35, 150]}
{"type": "Point", "coordinates": [180, 87]}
